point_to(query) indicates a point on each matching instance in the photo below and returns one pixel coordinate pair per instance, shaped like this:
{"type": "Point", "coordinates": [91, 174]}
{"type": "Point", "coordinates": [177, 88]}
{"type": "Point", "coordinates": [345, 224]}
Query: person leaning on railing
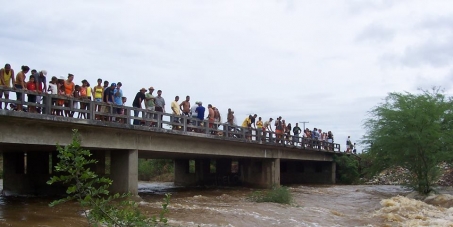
{"type": "Point", "coordinates": [19, 83]}
{"type": "Point", "coordinates": [6, 79]}
{"type": "Point", "coordinates": [137, 103]}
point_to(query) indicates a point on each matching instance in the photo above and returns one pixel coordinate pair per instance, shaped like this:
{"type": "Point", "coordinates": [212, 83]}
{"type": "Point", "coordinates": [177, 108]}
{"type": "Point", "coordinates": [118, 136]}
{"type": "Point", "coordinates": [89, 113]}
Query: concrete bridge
{"type": "Point", "coordinates": [27, 142]}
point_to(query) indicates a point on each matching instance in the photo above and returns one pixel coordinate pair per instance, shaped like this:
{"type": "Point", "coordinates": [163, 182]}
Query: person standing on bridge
{"type": "Point", "coordinates": [149, 105]}
{"type": "Point", "coordinates": [279, 130]}
{"type": "Point", "coordinates": [185, 108]}
{"type": "Point", "coordinates": [211, 117]}
{"type": "Point", "coordinates": [137, 103]}
{"type": "Point", "coordinates": [296, 132]}
{"type": "Point", "coordinates": [267, 127]}
{"type": "Point", "coordinates": [176, 111]}
{"type": "Point", "coordinates": [160, 106]}
{"type": "Point", "coordinates": [200, 114]}
{"type": "Point", "coordinates": [6, 78]}
{"type": "Point", "coordinates": [118, 99]}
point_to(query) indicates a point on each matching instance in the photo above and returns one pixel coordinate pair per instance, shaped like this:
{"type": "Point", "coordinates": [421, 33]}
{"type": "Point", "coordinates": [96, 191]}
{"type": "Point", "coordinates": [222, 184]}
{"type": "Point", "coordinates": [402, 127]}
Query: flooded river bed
{"type": "Point", "coordinates": [356, 205]}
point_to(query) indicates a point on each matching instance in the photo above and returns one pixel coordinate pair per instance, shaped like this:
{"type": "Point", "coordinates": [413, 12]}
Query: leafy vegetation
{"type": "Point", "coordinates": [91, 191]}
{"type": "Point", "coordinates": [150, 168]}
{"type": "Point", "coordinates": [347, 168]}
{"type": "Point", "coordinates": [414, 131]}
{"type": "Point", "coordinates": [278, 194]}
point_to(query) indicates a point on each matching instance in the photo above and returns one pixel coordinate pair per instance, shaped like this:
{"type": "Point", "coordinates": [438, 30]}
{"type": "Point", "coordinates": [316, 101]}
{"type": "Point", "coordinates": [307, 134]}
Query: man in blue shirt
{"type": "Point", "coordinates": [200, 113]}
{"type": "Point", "coordinates": [118, 98]}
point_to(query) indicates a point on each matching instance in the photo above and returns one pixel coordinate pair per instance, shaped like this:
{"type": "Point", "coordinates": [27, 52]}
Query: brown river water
{"type": "Point", "coordinates": [314, 205]}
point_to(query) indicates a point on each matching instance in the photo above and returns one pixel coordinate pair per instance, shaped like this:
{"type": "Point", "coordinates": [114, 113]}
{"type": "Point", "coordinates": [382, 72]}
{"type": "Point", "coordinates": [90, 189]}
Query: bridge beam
{"type": "Point", "coordinates": [124, 171]}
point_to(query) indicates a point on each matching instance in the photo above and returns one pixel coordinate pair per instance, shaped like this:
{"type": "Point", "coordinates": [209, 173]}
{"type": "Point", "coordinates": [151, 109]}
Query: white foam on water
{"type": "Point", "coordinates": [410, 212]}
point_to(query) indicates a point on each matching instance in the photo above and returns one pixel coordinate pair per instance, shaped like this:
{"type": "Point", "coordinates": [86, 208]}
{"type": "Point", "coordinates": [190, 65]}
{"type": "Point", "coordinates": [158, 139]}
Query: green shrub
{"type": "Point", "coordinates": [91, 191]}
{"type": "Point", "coordinates": [278, 194]}
{"type": "Point", "coordinates": [149, 168]}
{"type": "Point", "coordinates": [347, 168]}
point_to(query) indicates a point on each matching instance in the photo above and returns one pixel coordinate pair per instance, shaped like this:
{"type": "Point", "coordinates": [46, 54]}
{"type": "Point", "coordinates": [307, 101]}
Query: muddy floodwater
{"type": "Point", "coordinates": [314, 205]}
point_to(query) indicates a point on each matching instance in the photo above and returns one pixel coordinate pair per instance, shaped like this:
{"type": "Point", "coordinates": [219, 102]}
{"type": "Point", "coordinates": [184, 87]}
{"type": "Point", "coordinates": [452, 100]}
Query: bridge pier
{"type": "Point", "coordinates": [262, 173]}
{"type": "Point", "coordinates": [303, 172]}
{"type": "Point", "coordinates": [124, 171]}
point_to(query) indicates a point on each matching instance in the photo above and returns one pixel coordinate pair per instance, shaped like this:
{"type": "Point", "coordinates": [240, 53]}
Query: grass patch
{"type": "Point", "coordinates": [278, 194]}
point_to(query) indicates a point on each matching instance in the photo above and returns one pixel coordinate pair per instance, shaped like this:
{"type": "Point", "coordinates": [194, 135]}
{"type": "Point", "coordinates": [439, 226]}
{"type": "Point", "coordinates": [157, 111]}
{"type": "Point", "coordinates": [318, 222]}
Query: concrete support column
{"type": "Point", "coordinates": [182, 175]}
{"type": "Point", "coordinates": [13, 173]}
{"type": "Point", "coordinates": [124, 171]}
{"type": "Point", "coordinates": [202, 170]}
{"type": "Point", "coordinates": [334, 172]}
{"type": "Point", "coordinates": [263, 173]}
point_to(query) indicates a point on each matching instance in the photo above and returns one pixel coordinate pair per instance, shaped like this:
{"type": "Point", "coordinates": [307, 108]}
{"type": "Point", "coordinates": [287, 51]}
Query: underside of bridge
{"type": "Point", "coordinates": [27, 169]}
{"type": "Point", "coordinates": [26, 172]}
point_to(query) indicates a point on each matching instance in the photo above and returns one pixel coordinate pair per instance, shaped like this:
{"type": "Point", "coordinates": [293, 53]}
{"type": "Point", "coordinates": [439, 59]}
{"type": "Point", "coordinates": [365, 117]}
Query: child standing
{"type": "Point", "coordinates": [31, 86]}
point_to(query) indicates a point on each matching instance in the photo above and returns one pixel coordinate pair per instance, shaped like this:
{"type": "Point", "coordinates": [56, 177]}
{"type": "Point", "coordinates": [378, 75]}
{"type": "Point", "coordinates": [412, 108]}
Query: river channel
{"type": "Point", "coordinates": [314, 205]}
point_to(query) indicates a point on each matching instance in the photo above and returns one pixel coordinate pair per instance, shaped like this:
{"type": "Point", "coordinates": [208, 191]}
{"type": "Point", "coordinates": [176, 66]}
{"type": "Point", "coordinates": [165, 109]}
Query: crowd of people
{"type": "Point", "coordinates": [111, 95]}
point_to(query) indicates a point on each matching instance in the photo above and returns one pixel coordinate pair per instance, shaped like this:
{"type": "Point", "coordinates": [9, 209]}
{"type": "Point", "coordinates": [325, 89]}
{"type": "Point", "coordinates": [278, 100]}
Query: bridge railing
{"type": "Point", "coordinates": [101, 111]}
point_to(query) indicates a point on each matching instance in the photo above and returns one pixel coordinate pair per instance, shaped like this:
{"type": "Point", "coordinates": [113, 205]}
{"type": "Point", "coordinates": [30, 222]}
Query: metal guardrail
{"type": "Point", "coordinates": [96, 111]}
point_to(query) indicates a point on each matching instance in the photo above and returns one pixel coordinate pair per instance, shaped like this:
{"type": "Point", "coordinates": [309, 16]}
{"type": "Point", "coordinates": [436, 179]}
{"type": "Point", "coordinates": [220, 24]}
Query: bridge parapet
{"type": "Point", "coordinates": [89, 112]}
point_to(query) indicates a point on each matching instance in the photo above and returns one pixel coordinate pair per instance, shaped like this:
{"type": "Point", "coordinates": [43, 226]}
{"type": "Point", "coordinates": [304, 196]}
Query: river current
{"type": "Point", "coordinates": [314, 205]}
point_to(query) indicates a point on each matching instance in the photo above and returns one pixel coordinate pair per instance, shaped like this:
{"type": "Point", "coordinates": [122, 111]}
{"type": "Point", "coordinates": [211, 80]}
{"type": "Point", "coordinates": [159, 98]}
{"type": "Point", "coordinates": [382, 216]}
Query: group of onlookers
{"type": "Point", "coordinates": [111, 95]}
{"type": "Point", "coordinates": [284, 132]}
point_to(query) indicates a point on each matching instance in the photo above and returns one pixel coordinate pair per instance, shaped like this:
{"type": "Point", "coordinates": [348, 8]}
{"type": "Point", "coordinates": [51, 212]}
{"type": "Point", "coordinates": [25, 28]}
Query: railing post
{"type": "Point", "coordinates": [225, 130]}
{"type": "Point", "coordinates": [243, 133]}
{"type": "Point", "coordinates": [206, 126]}
{"type": "Point", "coordinates": [159, 117]}
{"type": "Point", "coordinates": [184, 124]}
{"type": "Point", "coordinates": [92, 109]}
{"type": "Point", "coordinates": [47, 101]}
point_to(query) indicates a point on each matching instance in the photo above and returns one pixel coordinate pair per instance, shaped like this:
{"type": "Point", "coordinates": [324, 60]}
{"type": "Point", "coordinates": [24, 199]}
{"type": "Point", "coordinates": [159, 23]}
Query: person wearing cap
{"type": "Point", "coordinates": [160, 105]}
{"type": "Point", "coordinates": [200, 110]}
{"type": "Point", "coordinates": [149, 103]}
{"type": "Point", "coordinates": [137, 103]}
{"type": "Point", "coordinates": [7, 80]}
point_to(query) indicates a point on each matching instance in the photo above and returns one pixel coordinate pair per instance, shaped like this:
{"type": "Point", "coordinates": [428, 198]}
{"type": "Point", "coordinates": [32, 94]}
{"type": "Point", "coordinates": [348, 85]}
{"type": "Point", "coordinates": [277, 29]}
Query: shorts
{"type": "Point", "coordinates": [118, 110]}
{"type": "Point", "coordinates": [18, 94]}
{"type": "Point", "coordinates": [32, 98]}
{"type": "Point", "coordinates": [98, 100]}
{"type": "Point", "coordinates": [279, 132]}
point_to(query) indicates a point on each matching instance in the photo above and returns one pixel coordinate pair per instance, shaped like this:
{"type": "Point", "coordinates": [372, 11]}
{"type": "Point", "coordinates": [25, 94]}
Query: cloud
{"type": "Point", "coordinates": [375, 33]}
{"type": "Point", "coordinates": [359, 6]}
{"type": "Point", "coordinates": [435, 54]}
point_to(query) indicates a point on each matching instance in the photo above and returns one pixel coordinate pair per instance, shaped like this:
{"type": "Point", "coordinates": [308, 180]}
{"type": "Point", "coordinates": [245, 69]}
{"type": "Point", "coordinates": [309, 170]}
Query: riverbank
{"type": "Point", "coordinates": [399, 176]}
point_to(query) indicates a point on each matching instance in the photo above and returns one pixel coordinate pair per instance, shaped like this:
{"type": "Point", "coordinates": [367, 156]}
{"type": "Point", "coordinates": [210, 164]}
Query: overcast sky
{"type": "Point", "coordinates": [326, 62]}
